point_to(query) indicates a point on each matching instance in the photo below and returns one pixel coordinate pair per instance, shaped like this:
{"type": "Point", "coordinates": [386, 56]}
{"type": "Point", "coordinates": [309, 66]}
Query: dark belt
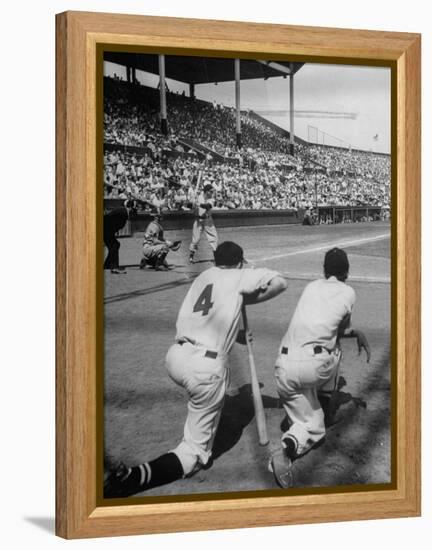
{"type": "Point", "coordinates": [317, 350]}
{"type": "Point", "coordinates": [209, 353]}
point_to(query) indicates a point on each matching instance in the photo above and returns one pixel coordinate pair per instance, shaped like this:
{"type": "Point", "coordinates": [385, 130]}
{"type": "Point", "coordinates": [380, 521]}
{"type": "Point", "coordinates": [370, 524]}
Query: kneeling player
{"type": "Point", "coordinates": [309, 356]}
{"type": "Point", "coordinates": [207, 327]}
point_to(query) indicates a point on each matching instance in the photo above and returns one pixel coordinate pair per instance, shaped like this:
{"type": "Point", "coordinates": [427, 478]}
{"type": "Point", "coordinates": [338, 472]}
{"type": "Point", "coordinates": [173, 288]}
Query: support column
{"type": "Point", "coordinates": [291, 84]}
{"type": "Point", "coordinates": [237, 101]}
{"type": "Point", "coordinates": [162, 89]}
{"type": "Point", "coordinates": [192, 91]}
{"type": "Point", "coordinates": [133, 75]}
{"type": "Point", "coordinates": [128, 74]}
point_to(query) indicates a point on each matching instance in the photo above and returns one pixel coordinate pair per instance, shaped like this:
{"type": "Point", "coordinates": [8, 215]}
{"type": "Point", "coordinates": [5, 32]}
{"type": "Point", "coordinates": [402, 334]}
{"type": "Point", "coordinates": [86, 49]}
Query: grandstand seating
{"type": "Point", "coordinates": [162, 170]}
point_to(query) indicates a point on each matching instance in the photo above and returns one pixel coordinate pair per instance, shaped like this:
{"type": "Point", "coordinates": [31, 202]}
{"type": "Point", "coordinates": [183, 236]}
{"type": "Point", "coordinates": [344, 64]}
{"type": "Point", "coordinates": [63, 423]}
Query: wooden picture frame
{"type": "Point", "coordinates": [78, 510]}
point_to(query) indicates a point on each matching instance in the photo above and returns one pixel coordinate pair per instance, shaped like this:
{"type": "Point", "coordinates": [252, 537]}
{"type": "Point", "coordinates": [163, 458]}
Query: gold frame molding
{"type": "Point", "coordinates": [79, 35]}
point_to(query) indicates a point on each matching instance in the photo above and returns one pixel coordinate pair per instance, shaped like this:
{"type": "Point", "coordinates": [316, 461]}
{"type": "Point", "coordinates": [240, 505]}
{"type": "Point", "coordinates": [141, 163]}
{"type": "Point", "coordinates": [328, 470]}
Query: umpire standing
{"type": "Point", "coordinates": [114, 220]}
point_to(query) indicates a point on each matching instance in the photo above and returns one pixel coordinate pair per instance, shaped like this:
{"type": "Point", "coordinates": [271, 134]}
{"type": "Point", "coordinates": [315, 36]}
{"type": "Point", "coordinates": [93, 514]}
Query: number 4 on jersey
{"type": "Point", "coordinates": [204, 302]}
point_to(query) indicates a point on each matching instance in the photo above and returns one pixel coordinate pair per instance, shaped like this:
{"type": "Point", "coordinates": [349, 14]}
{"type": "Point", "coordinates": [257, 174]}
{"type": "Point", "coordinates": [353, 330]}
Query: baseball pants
{"type": "Point", "coordinates": [209, 230]}
{"type": "Point", "coordinates": [300, 376]}
{"type": "Point", "coordinates": [205, 380]}
{"type": "Point", "coordinates": [154, 252]}
{"type": "Point", "coordinates": [113, 245]}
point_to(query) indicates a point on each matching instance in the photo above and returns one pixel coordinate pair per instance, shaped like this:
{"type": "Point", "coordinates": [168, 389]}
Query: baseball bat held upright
{"type": "Point", "coordinates": [256, 394]}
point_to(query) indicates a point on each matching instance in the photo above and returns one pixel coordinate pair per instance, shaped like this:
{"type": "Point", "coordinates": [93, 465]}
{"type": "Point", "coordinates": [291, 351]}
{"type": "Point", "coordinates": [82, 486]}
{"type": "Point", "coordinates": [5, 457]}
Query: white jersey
{"type": "Point", "coordinates": [202, 213]}
{"type": "Point", "coordinates": [210, 312]}
{"type": "Point", "coordinates": [323, 305]}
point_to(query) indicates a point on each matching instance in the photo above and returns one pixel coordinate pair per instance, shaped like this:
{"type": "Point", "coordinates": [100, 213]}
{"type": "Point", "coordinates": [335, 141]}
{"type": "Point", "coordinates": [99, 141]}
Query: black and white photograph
{"type": "Point", "coordinates": [247, 275]}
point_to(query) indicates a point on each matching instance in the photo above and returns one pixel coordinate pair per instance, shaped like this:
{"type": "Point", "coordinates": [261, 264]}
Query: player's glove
{"type": "Point", "coordinates": [175, 245]}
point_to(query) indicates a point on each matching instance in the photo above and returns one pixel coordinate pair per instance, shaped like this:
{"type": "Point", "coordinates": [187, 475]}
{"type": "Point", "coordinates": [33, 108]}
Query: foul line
{"type": "Point", "coordinates": [352, 279]}
{"type": "Point", "coordinates": [189, 277]}
{"type": "Point", "coordinates": [322, 247]}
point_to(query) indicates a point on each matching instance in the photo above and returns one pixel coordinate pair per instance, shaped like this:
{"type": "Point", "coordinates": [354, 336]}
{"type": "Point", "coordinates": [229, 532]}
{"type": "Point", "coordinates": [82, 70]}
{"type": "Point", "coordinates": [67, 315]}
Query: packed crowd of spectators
{"type": "Point", "coordinates": [163, 170]}
{"type": "Point", "coordinates": [349, 161]}
{"type": "Point", "coordinates": [210, 124]}
{"type": "Point", "coordinates": [171, 182]}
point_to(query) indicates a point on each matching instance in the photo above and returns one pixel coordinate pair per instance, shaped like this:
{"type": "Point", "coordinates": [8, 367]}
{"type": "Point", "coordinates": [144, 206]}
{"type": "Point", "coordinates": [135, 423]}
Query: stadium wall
{"type": "Point", "coordinates": [248, 218]}
{"type": "Point", "coordinates": [222, 218]}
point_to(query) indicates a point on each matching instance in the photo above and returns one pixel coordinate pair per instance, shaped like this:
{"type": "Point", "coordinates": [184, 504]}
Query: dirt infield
{"type": "Point", "coordinates": [145, 410]}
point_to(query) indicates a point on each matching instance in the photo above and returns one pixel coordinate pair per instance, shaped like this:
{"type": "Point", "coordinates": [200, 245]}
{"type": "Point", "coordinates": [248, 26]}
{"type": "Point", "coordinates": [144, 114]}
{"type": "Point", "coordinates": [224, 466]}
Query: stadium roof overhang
{"type": "Point", "coordinates": [203, 70]}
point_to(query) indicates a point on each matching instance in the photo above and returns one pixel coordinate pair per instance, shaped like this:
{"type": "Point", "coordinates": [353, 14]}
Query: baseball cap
{"type": "Point", "coordinates": [336, 262]}
{"type": "Point", "coordinates": [228, 253]}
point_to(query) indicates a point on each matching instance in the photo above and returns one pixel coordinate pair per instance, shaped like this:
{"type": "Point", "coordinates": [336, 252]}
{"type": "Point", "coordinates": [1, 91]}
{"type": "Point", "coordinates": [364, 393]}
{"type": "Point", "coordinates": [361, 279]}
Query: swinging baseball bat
{"type": "Point", "coordinates": [256, 394]}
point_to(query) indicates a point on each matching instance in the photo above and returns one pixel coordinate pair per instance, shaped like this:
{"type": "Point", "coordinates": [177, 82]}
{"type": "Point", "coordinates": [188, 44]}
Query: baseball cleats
{"type": "Point", "coordinates": [191, 258]}
{"type": "Point", "coordinates": [280, 465]}
{"type": "Point", "coordinates": [281, 462]}
{"type": "Point", "coordinates": [289, 445]}
{"type": "Point", "coordinates": [122, 482]}
{"type": "Point", "coordinates": [119, 271]}
{"type": "Point", "coordinates": [162, 265]}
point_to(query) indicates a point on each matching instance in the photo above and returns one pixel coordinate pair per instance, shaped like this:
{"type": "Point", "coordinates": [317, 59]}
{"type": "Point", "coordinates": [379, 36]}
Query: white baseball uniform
{"type": "Point", "coordinates": [203, 222]}
{"type": "Point", "coordinates": [309, 357]}
{"type": "Point", "coordinates": [207, 327]}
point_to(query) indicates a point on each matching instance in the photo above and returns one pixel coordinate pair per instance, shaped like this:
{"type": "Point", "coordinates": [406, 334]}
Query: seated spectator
{"type": "Point", "coordinates": [261, 175]}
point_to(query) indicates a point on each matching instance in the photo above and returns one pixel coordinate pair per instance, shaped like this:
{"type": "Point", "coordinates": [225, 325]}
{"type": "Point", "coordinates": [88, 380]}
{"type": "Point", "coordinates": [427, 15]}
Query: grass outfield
{"type": "Point", "coordinates": [145, 410]}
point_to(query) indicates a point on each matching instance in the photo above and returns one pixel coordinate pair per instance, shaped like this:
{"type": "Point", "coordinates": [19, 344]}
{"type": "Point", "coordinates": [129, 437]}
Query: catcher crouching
{"type": "Point", "coordinates": [155, 246]}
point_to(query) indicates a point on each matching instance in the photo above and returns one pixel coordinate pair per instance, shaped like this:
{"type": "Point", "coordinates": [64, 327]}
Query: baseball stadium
{"type": "Point", "coordinates": [286, 192]}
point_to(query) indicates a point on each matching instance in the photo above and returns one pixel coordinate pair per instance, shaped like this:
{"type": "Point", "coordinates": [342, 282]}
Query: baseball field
{"type": "Point", "coordinates": [145, 410]}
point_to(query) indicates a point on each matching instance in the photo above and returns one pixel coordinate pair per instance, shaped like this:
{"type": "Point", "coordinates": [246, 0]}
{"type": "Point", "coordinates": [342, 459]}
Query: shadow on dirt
{"type": "Point", "coordinates": [237, 413]}
{"type": "Point", "coordinates": [339, 398]}
{"type": "Point", "coordinates": [332, 405]}
{"type": "Point", "coordinates": [347, 455]}
{"type": "Point", "coordinates": [207, 261]}
{"type": "Point", "coordinates": [147, 291]}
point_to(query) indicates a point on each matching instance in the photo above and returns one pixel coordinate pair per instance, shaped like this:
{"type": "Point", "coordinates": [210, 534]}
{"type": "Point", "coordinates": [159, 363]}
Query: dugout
{"type": "Point", "coordinates": [349, 214]}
